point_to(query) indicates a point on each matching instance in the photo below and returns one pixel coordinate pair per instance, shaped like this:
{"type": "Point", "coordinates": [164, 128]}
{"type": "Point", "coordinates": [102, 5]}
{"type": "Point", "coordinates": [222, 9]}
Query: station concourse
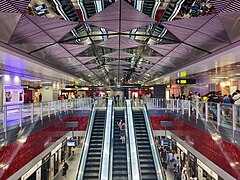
{"type": "Point", "coordinates": [119, 89]}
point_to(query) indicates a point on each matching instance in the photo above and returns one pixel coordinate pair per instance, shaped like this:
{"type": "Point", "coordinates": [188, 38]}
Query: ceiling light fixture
{"type": "Point", "coordinates": [222, 77]}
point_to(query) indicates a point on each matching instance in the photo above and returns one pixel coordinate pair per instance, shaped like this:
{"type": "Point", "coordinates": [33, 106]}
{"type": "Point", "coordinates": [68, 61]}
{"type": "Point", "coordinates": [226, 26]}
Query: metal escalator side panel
{"type": "Point", "coordinates": [120, 166]}
{"type": "Point", "coordinates": [105, 160]}
{"type": "Point", "coordinates": [156, 157]}
{"type": "Point", "coordinates": [146, 161]}
{"type": "Point", "coordinates": [86, 145]}
{"type": "Point", "coordinates": [132, 143]}
{"type": "Point", "coordinates": [128, 147]}
{"type": "Point", "coordinates": [95, 146]}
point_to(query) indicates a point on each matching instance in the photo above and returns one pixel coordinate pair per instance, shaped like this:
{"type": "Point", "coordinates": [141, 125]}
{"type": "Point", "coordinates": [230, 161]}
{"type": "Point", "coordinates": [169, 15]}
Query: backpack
{"type": "Point", "coordinates": [66, 165]}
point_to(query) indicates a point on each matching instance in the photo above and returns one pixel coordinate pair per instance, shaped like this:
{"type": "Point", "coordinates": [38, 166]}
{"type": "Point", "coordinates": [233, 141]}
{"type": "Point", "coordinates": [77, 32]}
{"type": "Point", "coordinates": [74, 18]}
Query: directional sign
{"type": "Point", "coordinates": [72, 124]}
{"type": "Point", "coordinates": [185, 81]}
{"type": "Point", "coordinates": [166, 123]}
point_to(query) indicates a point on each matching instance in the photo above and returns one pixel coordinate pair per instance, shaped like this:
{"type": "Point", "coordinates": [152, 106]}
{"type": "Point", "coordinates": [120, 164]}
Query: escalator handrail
{"type": "Point", "coordinates": [155, 153]}
{"type": "Point", "coordinates": [105, 160]}
{"type": "Point", "coordinates": [111, 148]}
{"type": "Point", "coordinates": [129, 165]}
{"type": "Point", "coordinates": [84, 151]}
{"type": "Point", "coordinates": [136, 175]}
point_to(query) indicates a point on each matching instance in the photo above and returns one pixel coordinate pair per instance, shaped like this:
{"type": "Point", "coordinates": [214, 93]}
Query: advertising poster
{"type": "Point", "coordinates": [13, 95]}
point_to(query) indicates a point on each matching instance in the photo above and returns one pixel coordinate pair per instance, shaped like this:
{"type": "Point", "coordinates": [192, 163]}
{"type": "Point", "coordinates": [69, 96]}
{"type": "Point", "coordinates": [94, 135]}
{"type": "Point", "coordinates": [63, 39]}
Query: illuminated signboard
{"type": "Point", "coordinates": [185, 81]}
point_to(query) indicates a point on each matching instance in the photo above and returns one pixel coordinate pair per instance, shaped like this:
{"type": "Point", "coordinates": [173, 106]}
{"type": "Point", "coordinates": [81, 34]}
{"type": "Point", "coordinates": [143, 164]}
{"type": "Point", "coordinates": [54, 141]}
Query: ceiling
{"type": "Point", "coordinates": [117, 42]}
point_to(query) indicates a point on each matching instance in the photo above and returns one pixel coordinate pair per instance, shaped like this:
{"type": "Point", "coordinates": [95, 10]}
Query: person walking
{"type": "Point", "coordinates": [64, 170]}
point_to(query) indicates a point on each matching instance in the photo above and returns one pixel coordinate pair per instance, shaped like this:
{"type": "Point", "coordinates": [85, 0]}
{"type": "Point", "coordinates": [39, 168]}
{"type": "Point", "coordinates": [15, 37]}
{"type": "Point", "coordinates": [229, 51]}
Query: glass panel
{"type": "Point", "coordinates": [202, 111]}
{"type": "Point", "coordinates": [52, 106]}
{"type": "Point", "coordinates": [1, 119]}
{"type": "Point", "coordinates": [226, 115]}
{"type": "Point", "coordinates": [168, 104]}
{"type": "Point", "coordinates": [237, 116]}
{"type": "Point", "coordinates": [26, 113]}
{"type": "Point", "coordinates": [212, 112]}
{"type": "Point", "coordinates": [13, 115]}
{"type": "Point", "coordinates": [58, 105]}
{"type": "Point", "coordinates": [45, 108]}
{"type": "Point", "coordinates": [36, 111]}
{"type": "Point", "coordinates": [186, 106]}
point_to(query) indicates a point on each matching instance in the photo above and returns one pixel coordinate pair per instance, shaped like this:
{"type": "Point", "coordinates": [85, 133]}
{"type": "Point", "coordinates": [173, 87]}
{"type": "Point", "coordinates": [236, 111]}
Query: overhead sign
{"type": "Point", "coordinates": [183, 74]}
{"type": "Point", "coordinates": [166, 142]}
{"type": "Point", "coordinates": [185, 81]}
{"type": "Point", "coordinates": [72, 124]}
{"type": "Point", "coordinates": [166, 123]}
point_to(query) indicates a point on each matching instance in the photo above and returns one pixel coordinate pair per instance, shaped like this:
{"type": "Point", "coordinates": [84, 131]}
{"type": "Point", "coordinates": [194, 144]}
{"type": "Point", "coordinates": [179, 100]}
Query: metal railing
{"type": "Point", "coordinates": [218, 114]}
{"type": "Point", "coordinates": [17, 115]}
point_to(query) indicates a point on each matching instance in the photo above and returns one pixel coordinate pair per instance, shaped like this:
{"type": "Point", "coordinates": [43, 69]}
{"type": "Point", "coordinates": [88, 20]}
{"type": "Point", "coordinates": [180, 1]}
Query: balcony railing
{"type": "Point", "coordinates": [219, 114]}
{"type": "Point", "coordinates": [19, 114]}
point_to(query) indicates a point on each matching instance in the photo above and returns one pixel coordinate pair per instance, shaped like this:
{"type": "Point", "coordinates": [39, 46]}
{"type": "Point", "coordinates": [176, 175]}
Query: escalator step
{"type": "Point", "coordinates": [92, 164]}
{"type": "Point", "coordinates": [90, 176]}
{"type": "Point", "coordinates": [119, 173]}
{"type": "Point", "coordinates": [148, 166]}
{"type": "Point", "coordinates": [116, 177]}
{"type": "Point", "coordinates": [149, 177]}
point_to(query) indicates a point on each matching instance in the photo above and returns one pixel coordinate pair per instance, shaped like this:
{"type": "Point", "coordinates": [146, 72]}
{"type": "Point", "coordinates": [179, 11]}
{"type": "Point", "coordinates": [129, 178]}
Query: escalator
{"type": "Point", "coordinates": [92, 166]}
{"type": "Point", "coordinates": [119, 151]}
{"type": "Point", "coordinates": [146, 162]}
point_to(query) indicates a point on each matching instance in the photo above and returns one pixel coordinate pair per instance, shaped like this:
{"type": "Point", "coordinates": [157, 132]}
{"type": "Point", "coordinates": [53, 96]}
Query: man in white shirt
{"type": "Point", "coordinates": [236, 97]}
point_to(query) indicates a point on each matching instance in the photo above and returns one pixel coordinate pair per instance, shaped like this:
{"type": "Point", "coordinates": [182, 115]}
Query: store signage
{"type": "Point", "coordinates": [185, 81]}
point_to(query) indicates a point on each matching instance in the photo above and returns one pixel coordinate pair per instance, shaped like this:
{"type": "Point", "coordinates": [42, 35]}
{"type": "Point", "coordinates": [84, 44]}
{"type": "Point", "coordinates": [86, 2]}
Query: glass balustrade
{"type": "Point", "coordinates": [218, 114]}
{"type": "Point", "coordinates": [12, 116]}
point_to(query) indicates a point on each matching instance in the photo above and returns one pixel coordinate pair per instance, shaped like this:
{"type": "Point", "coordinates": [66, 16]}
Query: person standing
{"type": "Point", "coordinates": [122, 132]}
{"type": "Point", "coordinates": [236, 97]}
{"type": "Point", "coordinates": [64, 170]}
{"type": "Point", "coordinates": [40, 97]}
